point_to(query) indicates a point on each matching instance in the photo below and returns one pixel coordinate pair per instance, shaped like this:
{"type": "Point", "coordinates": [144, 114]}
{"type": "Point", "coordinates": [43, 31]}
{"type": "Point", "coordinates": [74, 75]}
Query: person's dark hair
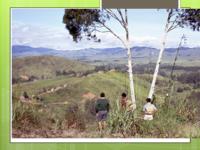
{"type": "Point", "coordinates": [102, 94]}
{"type": "Point", "coordinates": [148, 99]}
{"type": "Point", "coordinates": [123, 94]}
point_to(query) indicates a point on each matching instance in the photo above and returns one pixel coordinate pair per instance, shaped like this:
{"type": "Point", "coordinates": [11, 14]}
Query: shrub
{"type": "Point", "coordinates": [90, 112]}
{"type": "Point", "coordinates": [122, 121]}
{"type": "Point", "coordinates": [179, 90]}
{"type": "Point", "coordinates": [192, 78]}
{"type": "Point", "coordinates": [24, 116]}
{"type": "Point", "coordinates": [74, 117]}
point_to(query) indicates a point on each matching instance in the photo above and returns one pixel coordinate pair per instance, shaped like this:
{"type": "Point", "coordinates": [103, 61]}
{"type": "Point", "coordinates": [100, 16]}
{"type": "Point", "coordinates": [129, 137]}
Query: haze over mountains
{"type": "Point", "coordinates": [115, 54]}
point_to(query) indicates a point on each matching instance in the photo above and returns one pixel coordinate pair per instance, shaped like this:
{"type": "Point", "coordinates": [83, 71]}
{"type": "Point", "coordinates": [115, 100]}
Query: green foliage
{"type": "Point", "coordinates": [89, 108]}
{"type": "Point", "coordinates": [191, 78]}
{"type": "Point", "coordinates": [191, 18]}
{"type": "Point", "coordinates": [75, 117]}
{"type": "Point", "coordinates": [184, 18]}
{"type": "Point", "coordinates": [25, 117]}
{"type": "Point", "coordinates": [122, 122]}
{"type": "Point", "coordinates": [78, 21]}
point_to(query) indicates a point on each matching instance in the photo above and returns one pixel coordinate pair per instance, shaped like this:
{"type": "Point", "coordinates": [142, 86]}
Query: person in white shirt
{"type": "Point", "coordinates": [149, 110]}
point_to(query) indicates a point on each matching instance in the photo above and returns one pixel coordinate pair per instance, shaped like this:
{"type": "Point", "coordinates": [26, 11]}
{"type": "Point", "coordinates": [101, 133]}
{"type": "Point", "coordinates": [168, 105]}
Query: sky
{"type": "Point", "coordinates": [43, 27]}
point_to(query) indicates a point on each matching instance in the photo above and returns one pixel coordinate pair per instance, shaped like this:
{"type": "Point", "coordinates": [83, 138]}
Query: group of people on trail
{"type": "Point", "coordinates": [102, 108]}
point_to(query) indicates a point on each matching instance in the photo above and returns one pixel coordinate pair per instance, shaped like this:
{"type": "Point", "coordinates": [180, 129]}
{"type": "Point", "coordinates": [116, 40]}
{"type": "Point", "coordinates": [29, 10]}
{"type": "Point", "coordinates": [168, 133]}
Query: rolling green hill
{"type": "Point", "coordinates": [112, 83]}
{"type": "Point", "coordinates": [57, 107]}
{"type": "Point", "coordinates": [68, 111]}
{"type": "Point", "coordinates": [44, 67]}
{"type": "Point", "coordinates": [63, 106]}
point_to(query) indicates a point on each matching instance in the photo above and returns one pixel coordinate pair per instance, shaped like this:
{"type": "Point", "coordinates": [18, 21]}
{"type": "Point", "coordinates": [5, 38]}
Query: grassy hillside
{"type": "Point", "coordinates": [45, 66]}
{"type": "Point", "coordinates": [57, 107]}
{"type": "Point", "coordinates": [69, 111]}
{"type": "Point", "coordinates": [112, 83]}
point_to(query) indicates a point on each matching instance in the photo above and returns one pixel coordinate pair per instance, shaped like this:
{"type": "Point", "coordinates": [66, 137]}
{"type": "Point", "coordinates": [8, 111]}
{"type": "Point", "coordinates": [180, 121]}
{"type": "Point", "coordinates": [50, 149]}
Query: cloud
{"type": "Point", "coordinates": [41, 36]}
{"type": "Point", "coordinates": [59, 38]}
{"type": "Point", "coordinates": [56, 38]}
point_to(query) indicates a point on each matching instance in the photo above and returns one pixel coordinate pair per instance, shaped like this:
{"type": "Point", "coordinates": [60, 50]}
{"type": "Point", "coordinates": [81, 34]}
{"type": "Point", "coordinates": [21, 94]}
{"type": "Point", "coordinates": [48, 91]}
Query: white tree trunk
{"type": "Point", "coordinates": [124, 22]}
{"type": "Point", "coordinates": [130, 71]}
{"type": "Point", "coordinates": [130, 68]}
{"type": "Point", "coordinates": [163, 42]}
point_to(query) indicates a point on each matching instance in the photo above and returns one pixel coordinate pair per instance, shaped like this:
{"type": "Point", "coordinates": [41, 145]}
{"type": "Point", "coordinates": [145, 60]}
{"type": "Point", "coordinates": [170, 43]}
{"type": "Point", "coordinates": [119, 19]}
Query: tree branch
{"type": "Point", "coordinates": [112, 32]}
{"type": "Point", "coordinates": [126, 27]}
{"type": "Point", "coordinates": [121, 15]}
{"type": "Point", "coordinates": [172, 27]}
{"type": "Point", "coordinates": [110, 12]}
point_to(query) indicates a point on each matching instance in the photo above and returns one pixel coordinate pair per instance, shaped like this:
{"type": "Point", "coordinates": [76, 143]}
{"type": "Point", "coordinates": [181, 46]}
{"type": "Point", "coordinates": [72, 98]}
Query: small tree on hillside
{"type": "Point", "coordinates": [170, 89]}
{"type": "Point", "coordinates": [88, 22]}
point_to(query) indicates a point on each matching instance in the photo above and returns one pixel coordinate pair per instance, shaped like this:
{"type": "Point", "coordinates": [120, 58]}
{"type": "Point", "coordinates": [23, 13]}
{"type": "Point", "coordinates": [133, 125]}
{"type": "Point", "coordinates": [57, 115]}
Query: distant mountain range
{"type": "Point", "coordinates": [116, 54]}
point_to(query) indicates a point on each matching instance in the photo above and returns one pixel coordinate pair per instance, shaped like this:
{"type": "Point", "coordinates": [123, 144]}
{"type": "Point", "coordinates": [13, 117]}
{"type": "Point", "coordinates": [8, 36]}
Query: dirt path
{"type": "Point", "coordinates": [52, 90]}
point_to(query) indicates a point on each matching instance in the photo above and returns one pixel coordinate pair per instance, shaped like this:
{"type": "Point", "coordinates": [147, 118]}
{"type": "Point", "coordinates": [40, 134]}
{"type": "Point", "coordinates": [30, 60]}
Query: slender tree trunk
{"type": "Point", "coordinates": [163, 42]}
{"type": "Point", "coordinates": [130, 71]}
{"type": "Point", "coordinates": [171, 80]}
{"type": "Point", "coordinates": [124, 23]}
{"type": "Point", "coordinates": [130, 68]}
{"type": "Point", "coordinates": [176, 57]}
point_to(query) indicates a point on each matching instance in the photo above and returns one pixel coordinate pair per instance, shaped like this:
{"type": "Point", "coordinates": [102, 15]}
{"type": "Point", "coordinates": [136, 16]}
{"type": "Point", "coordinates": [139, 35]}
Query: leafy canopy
{"type": "Point", "coordinates": [190, 18]}
{"type": "Point", "coordinates": [79, 21]}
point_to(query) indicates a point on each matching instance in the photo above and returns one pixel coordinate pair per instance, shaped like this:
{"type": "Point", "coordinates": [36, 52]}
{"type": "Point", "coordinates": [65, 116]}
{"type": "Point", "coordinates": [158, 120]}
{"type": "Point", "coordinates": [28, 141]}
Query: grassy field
{"type": "Point", "coordinates": [69, 111]}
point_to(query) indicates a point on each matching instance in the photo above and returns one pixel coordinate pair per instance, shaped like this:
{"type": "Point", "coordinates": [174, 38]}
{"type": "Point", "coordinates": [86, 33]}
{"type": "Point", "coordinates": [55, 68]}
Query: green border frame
{"type": "Point", "coordinates": [190, 4]}
{"type": "Point", "coordinates": [5, 143]}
